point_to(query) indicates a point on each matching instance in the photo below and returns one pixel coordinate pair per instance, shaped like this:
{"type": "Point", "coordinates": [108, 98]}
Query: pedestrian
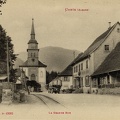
{"type": "Point", "coordinates": [96, 91]}
{"type": "Point", "coordinates": [28, 90]}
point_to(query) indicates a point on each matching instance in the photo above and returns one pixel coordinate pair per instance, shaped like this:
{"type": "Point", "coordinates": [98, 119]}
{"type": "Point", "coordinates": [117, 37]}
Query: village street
{"type": "Point", "coordinates": [69, 107]}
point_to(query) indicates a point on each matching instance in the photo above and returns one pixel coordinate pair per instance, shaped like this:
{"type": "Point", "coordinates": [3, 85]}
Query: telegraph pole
{"type": "Point", "coordinates": [7, 60]}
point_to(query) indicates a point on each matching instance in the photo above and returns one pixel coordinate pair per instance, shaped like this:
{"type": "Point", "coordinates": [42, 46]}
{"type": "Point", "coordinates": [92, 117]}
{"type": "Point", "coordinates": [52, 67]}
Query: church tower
{"type": "Point", "coordinates": [33, 48]}
{"type": "Point", "coordinates": [34, 69]}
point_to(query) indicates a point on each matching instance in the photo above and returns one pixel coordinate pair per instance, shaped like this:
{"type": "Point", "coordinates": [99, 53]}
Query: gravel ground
{"type": "Point", "coordinates": [78, 107]}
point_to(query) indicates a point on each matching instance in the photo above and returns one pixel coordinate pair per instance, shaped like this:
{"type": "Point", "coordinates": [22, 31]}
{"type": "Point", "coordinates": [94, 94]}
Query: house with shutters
{"type": "Point", "coordinates": [108, 73]}
{"type": "Point", "coordinates": [93, 57]}
{"type": "Point", "coordinates": [66, 76]}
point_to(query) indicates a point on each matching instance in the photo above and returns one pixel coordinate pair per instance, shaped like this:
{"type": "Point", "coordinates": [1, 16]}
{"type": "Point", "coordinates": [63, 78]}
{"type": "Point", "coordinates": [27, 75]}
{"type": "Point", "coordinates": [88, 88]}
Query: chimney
{"type": "Point", "coordinates": [109, 25]}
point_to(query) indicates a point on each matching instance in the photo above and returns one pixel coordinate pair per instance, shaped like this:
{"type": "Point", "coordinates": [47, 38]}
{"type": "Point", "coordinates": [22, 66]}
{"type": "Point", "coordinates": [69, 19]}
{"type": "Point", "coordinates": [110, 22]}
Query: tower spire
{"type": "Point", "coordinates": [32, 30]}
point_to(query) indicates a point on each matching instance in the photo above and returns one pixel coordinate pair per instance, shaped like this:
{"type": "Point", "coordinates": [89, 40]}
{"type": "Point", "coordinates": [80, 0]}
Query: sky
{"type": "Point", "coordinates": [54, 26]}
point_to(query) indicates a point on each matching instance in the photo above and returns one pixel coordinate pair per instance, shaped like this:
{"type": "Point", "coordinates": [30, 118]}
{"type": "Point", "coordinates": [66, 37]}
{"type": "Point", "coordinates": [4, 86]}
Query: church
{"type": "Point", "coordinates": [34, 69]}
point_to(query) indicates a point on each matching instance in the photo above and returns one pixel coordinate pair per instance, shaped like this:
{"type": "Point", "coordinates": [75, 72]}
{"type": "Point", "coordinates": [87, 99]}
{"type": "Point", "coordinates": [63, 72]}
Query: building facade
{"type": "Point", "coordinates": [93, 57]}
{"type": "Point", "coordinates": [108, 73]}
{"type": "Point", "coordinates": [34, 69]}
{"type": "Point", "coordinates": [66, 77]}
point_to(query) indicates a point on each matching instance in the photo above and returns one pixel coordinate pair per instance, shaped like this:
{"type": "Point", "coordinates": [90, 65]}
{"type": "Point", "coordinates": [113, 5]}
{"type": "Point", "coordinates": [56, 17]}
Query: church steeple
{"type": "Point", "coordinates": [32, 35]}
{"type": "Point", "coordinates": [32, 30]}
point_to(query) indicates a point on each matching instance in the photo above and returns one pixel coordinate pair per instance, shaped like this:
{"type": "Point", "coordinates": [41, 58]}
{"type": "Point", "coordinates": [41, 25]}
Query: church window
{"type": "Point", "coordinates": [41, 74]}
{"type": "Point", "coordinates": [33, 60]}
{"type": "Point", "coordinates": [33, 77]}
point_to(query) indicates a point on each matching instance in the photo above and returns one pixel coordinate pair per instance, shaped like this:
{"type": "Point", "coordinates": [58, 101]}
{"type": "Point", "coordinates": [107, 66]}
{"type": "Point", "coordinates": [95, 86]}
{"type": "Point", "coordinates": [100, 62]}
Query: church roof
{"type": "Point", "coordinates": [40, 64]}
{"type": "Point", "coordinates": [32, 41]}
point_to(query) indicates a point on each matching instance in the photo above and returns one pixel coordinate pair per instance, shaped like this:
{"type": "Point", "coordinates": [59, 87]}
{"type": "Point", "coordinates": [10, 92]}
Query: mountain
{"type": "Point", "coordinates": [55, 58]}
{"type": "Point", "coordinates": [18, 62]}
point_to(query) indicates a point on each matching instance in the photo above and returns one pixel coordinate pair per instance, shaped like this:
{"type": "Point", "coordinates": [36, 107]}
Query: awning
{"type": "Point", "coordinates": [3, 77]}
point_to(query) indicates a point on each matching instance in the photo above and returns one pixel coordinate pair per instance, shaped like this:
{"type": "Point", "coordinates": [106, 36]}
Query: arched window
{"type": "Point", "coordinates": [41, 74]}
{"type": "Point", "coordinates": [33, 77]}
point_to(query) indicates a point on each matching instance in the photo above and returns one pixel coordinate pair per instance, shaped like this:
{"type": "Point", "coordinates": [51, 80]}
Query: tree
{"type": "Point", "coordinates": [3, 53]}
{"type": "Point", "coordinates": [1, 3]}
{"type": "Point", "coordinates": [50, 76]}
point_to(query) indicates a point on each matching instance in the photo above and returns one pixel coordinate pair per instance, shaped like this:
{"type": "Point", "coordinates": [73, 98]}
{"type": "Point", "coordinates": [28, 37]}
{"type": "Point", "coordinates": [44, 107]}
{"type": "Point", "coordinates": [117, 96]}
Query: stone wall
{"type": "Point", "coordinates": [113, 91]}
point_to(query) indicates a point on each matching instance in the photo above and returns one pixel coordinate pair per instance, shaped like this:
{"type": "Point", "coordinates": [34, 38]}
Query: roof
{"type": "Point", "coordinates": [40, 64]}
{"type": "Point", "coordinates": [76, 59]}
{"type": "Point", "coordinates": [55, 79]}
{"type": "Point", "coordinates": [3, 77]}
{"type": "Point", "coordinates": [111, 63]}
{"type": "Point", "coordinates": [32, 41]}
{"type": "Point", "coordinates": [98, 41]}
{"type": "Point", "coordinates": [68, 70]}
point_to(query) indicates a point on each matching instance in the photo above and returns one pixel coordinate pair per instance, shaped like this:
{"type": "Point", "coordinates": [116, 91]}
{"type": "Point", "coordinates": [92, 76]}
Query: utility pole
{"type": "Point", "coordinates": [7, 60]}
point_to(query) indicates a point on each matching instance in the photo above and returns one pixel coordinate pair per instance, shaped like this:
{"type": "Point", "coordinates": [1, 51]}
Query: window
{"type": "Point", "coordinates": [106, 47]}
{"type": "Point", "coordinates": [76, 68]}
{"type": "Point", "coordinates": [31, 54]}
{"type": "Point", "coordinates": [108, 79]}
{"type": "Point", "coordinates": [102, 81]}
{"type": "Point", "coordinates": [94, 83]}
{"type": "Point", "coordinates": [81, 81]}
{"type": "Point", "coordinates": [41, 74]}
{"type": "Point", "coordinates": [66, 79]}
{"type": "Point", "coordinates": [87, 82]}
{"type": "Point", "coordinates": [86, 63]}
{"type": "Point", "coordinates": [81, 66]}
{"type": "Point", "coordinates": [33, 77]}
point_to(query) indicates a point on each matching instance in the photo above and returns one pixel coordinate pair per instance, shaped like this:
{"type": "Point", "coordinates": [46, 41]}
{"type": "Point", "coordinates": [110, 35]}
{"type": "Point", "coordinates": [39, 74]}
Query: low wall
{"type": "Point", "coordinates": [6, 85]}
{"type": "Point", "coordinates": [109, 90]}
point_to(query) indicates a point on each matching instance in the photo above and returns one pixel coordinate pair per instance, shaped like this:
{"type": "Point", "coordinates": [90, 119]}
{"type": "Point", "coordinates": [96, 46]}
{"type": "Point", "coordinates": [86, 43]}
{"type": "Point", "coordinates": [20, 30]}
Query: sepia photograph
{"type": "Point", "coordinates": [59, 60]}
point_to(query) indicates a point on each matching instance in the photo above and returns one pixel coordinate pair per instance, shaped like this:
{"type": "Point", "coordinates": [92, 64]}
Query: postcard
{"type": "Point", "coordinates": [59, 59]}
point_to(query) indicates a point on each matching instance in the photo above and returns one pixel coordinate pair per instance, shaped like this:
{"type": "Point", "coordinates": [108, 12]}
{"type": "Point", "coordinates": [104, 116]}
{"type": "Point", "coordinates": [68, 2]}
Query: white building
{"type": "Point", "coordinates": [34, 69]}
{"type": "Point", "coordinates": [92, 58]}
